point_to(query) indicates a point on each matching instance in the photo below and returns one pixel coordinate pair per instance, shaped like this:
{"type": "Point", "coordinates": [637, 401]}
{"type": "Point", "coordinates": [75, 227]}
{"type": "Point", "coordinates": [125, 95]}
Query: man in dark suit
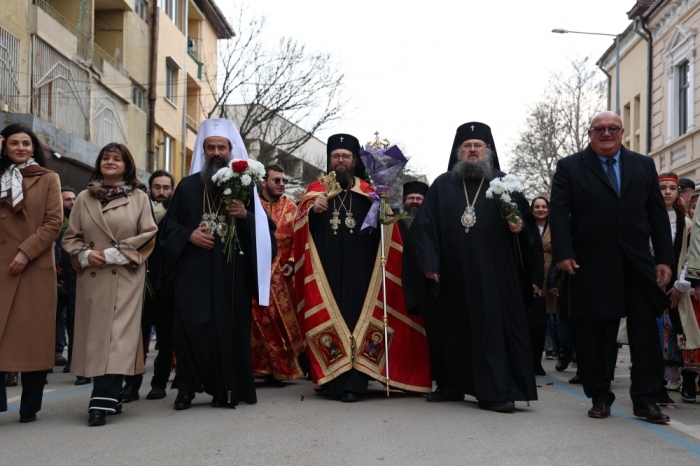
{"type": "Point", "coordinates": [606, 204]}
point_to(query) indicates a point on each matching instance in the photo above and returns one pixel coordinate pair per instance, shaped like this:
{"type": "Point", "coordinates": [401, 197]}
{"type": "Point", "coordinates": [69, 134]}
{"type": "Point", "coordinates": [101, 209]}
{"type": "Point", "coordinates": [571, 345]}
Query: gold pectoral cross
{"type": "Point", "coordinates": [335, 221]}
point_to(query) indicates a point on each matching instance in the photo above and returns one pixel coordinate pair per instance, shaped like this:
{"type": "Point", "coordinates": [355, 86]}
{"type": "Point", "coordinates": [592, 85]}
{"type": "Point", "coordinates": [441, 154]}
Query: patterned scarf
{"type": "Point", "coordinates": [108, 192]}
{"type": "Point", "coordinates": [11, 185]}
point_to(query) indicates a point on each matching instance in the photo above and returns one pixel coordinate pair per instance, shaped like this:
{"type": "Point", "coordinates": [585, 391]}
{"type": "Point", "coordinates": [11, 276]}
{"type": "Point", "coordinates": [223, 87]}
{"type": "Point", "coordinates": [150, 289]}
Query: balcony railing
{"type": "Point", "coordinates": [193, 125]}
{"type": "Point", "coordinates": [99, 56]}
{"type": "Point", "coordinates": [49, 10]}
{"type": "Point", "coordinates": [83, 39]}
{"type": "Point", "coordinates": [678, 153]}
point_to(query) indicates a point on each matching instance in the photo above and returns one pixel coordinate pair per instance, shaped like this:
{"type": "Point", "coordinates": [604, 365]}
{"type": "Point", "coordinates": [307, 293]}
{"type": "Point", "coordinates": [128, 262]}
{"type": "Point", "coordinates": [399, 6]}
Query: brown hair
{"type": "Point", "coordinates": [130, 165]}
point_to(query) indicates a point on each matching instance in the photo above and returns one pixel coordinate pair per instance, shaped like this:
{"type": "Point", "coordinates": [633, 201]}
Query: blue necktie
{"type": "Point", "coordinates": [611, 174]}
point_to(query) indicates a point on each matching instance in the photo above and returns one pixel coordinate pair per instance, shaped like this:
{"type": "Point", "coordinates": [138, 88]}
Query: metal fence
{"type": "Point", "coordinates": [9, 72]}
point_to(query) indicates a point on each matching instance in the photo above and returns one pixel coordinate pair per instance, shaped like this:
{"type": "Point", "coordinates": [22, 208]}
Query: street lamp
{"type": "Point", "coordinates": [617, 59]}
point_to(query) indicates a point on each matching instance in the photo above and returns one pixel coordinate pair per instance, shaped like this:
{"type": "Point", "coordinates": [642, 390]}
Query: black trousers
{"type": "Point", "coordinates": [158, 312]}
{"type": "Point", "coordinates": [106, 393]}
{"type": "Point", "coordinates": [32, 392]}
{"type": "Point", "coordinates": [596, 349]}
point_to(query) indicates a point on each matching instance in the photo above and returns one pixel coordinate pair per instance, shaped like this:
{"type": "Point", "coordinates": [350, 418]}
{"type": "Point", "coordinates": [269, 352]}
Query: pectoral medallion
{"type": "Point", "coordinates": [350, 222]}
{"type": "Point", "coordinates": [468, 218]}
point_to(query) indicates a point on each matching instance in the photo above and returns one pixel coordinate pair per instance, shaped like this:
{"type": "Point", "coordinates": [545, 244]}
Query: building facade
{"type": "Point", "coordinates": [79, 73]}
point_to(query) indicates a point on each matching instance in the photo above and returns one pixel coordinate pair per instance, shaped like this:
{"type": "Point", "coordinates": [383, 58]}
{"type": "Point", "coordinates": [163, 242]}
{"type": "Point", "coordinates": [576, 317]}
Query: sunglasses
{"type": "Point", "coordinates": [601, 129]}
{"type": "Point", "coordinates": [280, 180]}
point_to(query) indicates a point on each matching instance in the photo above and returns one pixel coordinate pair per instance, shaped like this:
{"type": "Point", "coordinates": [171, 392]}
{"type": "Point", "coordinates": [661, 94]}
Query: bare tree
{"type": "Point", "coordinates": [557, 125]}
{"type": "Point", "coordinates": [280, 95]}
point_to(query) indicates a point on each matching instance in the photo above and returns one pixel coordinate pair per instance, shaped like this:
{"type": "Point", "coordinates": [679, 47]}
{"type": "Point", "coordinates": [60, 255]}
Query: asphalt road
{"type": "Point", "coordinates": [293, 425]}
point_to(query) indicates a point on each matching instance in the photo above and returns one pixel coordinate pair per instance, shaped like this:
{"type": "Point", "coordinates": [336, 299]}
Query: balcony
{"type": "Point", "coordinates": [47, 23]}
{"type": "Point", "coordinates": [100, 57]}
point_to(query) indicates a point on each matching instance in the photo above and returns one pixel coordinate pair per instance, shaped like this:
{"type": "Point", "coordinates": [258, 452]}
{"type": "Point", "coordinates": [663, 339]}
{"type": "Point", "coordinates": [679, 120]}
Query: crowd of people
{"type": "Point", "coordinates": [465, 291]}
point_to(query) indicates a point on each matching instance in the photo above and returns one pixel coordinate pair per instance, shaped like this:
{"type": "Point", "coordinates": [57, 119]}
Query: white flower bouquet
{"type": "Point", "coordinates": [504, 188]}
{"type": "Point", "coordinates": [236, 179]}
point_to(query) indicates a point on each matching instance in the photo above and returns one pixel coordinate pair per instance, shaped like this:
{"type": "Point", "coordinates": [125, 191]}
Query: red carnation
{"type": "Point", "coordinates": [239, 166]}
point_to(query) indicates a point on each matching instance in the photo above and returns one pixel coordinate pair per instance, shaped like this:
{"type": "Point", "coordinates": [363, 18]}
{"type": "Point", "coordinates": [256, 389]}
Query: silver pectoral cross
{"type": "Point", "coordinates": [335, 221]}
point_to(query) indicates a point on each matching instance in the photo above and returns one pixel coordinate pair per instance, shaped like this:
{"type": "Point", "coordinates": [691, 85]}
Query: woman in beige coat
{"type": "Point", "coordinates": [111, 233]}
{"type": "Point", "coordinates": [31, 214]}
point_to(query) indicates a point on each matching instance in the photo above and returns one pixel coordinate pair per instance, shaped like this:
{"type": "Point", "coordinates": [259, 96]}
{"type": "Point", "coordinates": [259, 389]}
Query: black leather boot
{"type": "Point", "coordinates": [688, 390]}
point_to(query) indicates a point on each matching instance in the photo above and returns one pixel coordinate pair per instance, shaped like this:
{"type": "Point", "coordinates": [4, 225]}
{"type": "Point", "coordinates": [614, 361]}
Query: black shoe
{"type": "Point", "coordinates": [96, 417]}
{"type": "Point", "coordinates": [688, 389]}
{"type": "Point", "coordinates": [82, 380]}
{"type": "Point", "coordinates": [562, 364]}
{"type": "Point", "coordinates": [349, 397]}
{"type": "Point", "coordinates": [497, 406]}
{"type": "Point", "coordinates": [663, 399]}
{"type": "Point", "coordinates": [66, 370]}
{"type": "Point", "coordinates": [575, 379]}
{"type": "Point", "coordinates": [25, 418]}
{"type": "Point", "coordinates": [651, 413]}
{"type": "Point", "coordinates": [130, 393]}
{"type": "Point", "coordinates": [183, 401]}
{"type": "Point", "coordinates": [599, 410]}
{"type": "Point", "coordinates": [60, 360]}
{"type": "Point", "coordinates": [444, 394]}
{"type": "Point", "coordinates": [156, 393]}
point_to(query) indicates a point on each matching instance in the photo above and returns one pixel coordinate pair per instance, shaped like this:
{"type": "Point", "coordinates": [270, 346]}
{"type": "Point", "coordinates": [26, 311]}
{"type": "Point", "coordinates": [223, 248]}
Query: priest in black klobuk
{"type": "Point", "coordinates": [476, 268]}
{"type": "Point", "coordinates": [212, 323]}
{"type": "Point", "coordinates": [338, 281]}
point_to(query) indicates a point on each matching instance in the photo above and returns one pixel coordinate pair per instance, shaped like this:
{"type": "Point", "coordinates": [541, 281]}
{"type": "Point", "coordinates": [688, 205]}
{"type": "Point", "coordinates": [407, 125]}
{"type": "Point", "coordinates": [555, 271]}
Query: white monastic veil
{"type": "Point", "coordinates": [225, 128]}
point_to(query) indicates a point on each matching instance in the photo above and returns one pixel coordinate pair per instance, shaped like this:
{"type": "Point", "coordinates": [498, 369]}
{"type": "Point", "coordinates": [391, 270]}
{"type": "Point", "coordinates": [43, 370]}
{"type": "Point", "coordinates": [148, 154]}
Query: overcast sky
{"type": "Point", "coordinates": [417, 70]}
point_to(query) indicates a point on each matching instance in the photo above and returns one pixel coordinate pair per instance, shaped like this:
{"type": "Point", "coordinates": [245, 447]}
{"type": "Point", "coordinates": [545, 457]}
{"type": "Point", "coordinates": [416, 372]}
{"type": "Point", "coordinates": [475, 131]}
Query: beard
{"type": "Point", "coordinates": [66, 212]}
{"type": "Point", "coordinates": [474, 170]}
{"type": "Point", "coordinates": [165, 200]}
{"type": "Point", "coordinates": [211, 166]}
{"type": "Point", "coordinates": [411, 214]}
{"type": "Point", "coordinates": [345, 178]}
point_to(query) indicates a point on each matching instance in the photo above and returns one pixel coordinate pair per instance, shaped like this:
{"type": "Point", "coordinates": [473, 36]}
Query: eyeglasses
{"type": "Point", "coordinates": [280, 180]}
{"type": "Point", "coordinates": [476, 145]}
{"type": "Point", "coordinates": [341, 156]}
{"type": "Point", "coordinates": [602, 129]}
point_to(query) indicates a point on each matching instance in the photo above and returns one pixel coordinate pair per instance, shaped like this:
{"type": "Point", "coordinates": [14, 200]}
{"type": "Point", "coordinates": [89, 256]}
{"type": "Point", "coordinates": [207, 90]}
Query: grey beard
{"type": "Point", "coordinates": [208, 170]}
{"type": "Point", "coordinates": [345, 177]}
{"type": "Point", "coordinates": [476, 170]}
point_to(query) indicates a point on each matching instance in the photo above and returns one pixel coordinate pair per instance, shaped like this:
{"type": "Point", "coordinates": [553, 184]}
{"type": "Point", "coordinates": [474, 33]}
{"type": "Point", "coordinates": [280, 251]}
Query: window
{"type": "Point", "coordinates": [679, 55]}
{"type": "Point", "coordinates": [171, 71]}
{"type": "Point", "coordinates": [138, 97]}
{"type": "Point", "coordinates": [168, 151]}
{"type": "Point", "coordinates": [170, 7]}
{"type": "Point", "coordinates": [141, 9]}
{"type": "Point", "coordinates": [683, 83]}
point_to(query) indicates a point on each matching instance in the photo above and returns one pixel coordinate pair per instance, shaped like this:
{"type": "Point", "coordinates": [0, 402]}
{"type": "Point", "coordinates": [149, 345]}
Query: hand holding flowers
{"type": "Point", "coordinates": [504, 188]}
{"type": "Point", "coordinates": [236, 179]}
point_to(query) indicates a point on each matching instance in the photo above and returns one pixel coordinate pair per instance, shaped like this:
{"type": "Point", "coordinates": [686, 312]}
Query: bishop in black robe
{"type": "Point", "coordinates": [484, 282]}
{"type": "Point", "coordinates": [348, 263]}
